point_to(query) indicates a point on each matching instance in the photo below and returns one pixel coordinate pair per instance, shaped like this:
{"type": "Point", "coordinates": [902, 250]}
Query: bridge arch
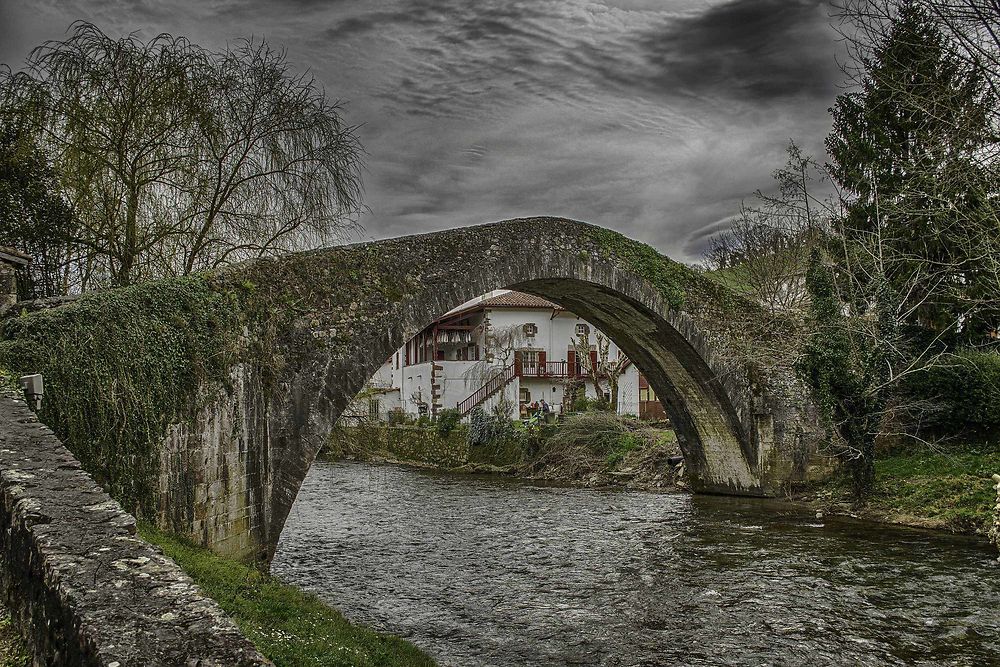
{"type": "Point", "coordinates": [744, 426]}
{"type": "Point", "coordinates": [231, 382]}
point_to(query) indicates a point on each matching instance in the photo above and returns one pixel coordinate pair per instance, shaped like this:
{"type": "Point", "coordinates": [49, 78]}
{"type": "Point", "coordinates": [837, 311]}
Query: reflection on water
{"type": "Point", "coordinates": [488, 571]}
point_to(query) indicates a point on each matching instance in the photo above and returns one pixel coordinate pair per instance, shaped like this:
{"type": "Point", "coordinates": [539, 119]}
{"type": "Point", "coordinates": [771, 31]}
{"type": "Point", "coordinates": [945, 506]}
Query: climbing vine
{"type": "Point", "coordinates": [119, 366]}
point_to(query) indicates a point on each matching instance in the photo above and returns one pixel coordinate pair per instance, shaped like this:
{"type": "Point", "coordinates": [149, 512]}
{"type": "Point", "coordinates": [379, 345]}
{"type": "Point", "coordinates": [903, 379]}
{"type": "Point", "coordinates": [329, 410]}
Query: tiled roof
{"type": "Point", "coordinates": [518, 300]}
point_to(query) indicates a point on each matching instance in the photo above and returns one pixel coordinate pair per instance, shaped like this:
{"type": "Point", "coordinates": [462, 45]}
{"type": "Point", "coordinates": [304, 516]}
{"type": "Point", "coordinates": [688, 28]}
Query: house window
{"type": "Point", "coordinates": [530, 329]}
{"type": "Point", "coordinates": [373, 409]}
{"type": "Point", "coordinates": [529, 362]}
{"type": "Point", "coordinates": [582, 329]}
{"type": "Point", "coordinates": [524, 396]}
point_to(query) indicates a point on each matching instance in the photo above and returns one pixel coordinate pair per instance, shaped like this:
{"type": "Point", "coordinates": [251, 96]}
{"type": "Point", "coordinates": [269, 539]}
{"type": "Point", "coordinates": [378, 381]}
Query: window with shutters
{"type": "Point", "coordinates": [582, 329]}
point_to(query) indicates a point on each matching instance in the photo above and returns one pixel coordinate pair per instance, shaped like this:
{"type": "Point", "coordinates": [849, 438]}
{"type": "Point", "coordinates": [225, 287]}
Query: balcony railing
{"type": "Point", "coordinates": [549, 369]}
{"type": "Point", "coordinates": [558, 369]}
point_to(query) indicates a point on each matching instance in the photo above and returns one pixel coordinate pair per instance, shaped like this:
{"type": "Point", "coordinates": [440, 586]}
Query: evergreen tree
{"type": "Point", "coordinates": [907, 149]}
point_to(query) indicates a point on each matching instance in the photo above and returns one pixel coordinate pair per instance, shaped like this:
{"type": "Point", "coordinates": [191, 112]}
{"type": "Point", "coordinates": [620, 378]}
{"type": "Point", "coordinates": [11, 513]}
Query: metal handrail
{"type": "Point", "coordinates": [492, 386]}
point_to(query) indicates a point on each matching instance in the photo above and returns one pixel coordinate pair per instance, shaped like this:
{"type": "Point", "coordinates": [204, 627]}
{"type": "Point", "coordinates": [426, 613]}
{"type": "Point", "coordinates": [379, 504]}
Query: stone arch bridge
{"type": "Point", "coordinates": [318, 324]}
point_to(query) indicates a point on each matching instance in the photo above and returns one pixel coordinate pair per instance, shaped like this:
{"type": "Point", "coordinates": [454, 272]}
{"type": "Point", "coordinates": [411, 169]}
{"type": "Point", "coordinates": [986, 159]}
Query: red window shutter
{"type": "Point", "coordinates": [593, 359]}
{"type": "Point", "coordinates": [517, 363]}
{"type": "Point", "coordinates": [541, 363]}
{"type": "Point", "coordinates": [571, 363]}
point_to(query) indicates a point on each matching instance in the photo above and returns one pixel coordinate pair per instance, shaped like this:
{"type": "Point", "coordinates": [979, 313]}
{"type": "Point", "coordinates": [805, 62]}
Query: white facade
{"type": "Point", "coordinates": [524, 336]}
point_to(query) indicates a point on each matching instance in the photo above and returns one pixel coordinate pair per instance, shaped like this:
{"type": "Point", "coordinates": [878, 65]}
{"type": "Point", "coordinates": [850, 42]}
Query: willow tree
{"type": "Point", "coordinates": [176, 158]}
{"type": "Point", "coordinates": [274, 166]}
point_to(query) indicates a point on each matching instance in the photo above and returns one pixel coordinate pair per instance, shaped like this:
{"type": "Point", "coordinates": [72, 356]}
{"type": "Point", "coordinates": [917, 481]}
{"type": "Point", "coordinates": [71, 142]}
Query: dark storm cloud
{"type": "Point", "coordinates": [761, 49]}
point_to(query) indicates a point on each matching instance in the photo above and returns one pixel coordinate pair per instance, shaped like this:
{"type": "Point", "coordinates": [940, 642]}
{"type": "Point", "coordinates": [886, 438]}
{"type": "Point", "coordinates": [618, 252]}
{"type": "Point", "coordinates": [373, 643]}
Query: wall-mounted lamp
{"type": "Point", "coordinates": [33, 390]}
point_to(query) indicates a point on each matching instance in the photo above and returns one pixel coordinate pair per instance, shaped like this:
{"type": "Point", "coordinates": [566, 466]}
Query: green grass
{"type": "Point", "coordinates": [733, 277]}
{"type": "Point", "coordinates": [13, 649]}
{"type": "Point", "coordinates": [952, 491]}
{"type": "Point", "coordinates": [289, 626]}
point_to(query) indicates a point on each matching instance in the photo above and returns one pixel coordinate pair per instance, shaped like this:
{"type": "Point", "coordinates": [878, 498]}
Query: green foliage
{"type": "Point", "coordinates": [289, 626]}
{"type": "Point", "coordinates": [447, 420]}
{"type": "Point", "coordinates": [953, 490]}
{"type": "Point", "coordinates": [34, 217]}
{"type": "Point", "coordinates": [489, 430]}
{"type": "Point", "coordinates": [962, 396]}
{"type": "Point", "coordinates": [119, 366]}
{"type": "Point", "coordinates": [844, 374]}
{"type": "Point", "coordinates": [13, 648]}
{"type": "Point", "coordinates": [627, 442]}
{"type": "Point", "coordinates": [907, 150]}
{"type": "Point", "coordinates": [398, 417]}
{"type": "Point", "coordinates": [583, 403]}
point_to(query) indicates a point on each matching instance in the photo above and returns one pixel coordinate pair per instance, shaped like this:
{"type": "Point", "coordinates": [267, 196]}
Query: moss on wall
{"type": "Point", "coordinates": [423, 445]}
{"type": "Point", "coordinates": [119, 366]}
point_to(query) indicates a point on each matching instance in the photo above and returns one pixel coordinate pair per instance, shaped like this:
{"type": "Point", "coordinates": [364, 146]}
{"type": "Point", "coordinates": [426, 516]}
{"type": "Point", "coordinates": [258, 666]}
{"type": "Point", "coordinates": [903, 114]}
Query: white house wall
{"type": "Point", "coordinates": [554, 336]}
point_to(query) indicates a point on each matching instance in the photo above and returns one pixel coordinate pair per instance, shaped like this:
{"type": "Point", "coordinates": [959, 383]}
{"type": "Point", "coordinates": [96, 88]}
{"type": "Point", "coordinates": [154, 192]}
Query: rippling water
{"type": "Point", "coordinates": [489, 571]}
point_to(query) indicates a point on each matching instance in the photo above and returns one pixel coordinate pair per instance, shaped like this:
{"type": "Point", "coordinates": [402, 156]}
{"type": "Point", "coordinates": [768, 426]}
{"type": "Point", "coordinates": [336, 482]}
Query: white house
{"type": "Point", "coordinates": [506, 348]}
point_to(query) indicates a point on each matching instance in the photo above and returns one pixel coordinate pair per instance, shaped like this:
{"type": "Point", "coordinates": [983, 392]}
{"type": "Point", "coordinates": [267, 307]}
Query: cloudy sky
{"type": "Point", "coordinates": [652, 117]}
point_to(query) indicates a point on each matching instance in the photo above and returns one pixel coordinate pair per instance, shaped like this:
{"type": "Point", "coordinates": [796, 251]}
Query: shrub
{"type": "Point", "coordinates": [397, 417]}
{"type": "Point", "coordinates": [960, 398]}
{"type": "Point", "coordinates": [486, 429]}
{"type": "Point", "coordinates": [627, 442]}
{"type": "Point", "coordinates": [447, 420]}
{"type": "Point", "coordinates": [585, 404]}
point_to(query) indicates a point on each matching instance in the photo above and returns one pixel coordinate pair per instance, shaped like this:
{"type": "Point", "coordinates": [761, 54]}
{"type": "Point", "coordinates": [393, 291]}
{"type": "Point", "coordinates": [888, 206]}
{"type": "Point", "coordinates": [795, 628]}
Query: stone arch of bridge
{"type": "Point", "coordinates": [710, 404]}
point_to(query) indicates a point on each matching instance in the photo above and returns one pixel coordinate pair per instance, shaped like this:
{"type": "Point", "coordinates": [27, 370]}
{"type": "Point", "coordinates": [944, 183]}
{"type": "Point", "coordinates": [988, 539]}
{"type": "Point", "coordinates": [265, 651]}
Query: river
{"type": "Point", "coordinates": [481, 570]}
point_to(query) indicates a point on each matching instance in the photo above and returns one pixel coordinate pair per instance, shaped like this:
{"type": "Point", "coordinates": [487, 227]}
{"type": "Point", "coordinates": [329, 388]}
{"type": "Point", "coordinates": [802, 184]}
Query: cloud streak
{"type": "Point", "coordinates": [654, 117]}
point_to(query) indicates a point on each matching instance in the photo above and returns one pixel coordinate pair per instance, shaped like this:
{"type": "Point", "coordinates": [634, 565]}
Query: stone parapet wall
{"type": "Point", "coordinates": [80, 584]}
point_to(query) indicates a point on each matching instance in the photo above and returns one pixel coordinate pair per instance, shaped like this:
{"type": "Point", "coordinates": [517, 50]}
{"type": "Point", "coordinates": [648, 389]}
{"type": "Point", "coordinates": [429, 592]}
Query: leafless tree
{"type": "Point", "coordinates": [766, 248]}
{"type": "Point", "coordinates": [603, 367]}
{"type": "Point", "coordinates": [500, 344]}
{"type": "Point", "coordinates": [274, 168]}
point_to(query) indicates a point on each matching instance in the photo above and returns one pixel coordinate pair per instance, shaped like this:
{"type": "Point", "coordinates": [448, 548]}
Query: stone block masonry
{"type": "Point", "coordinates": [80, 584]}
{"type": "Point", "coordinates": [424, 445]}
{"type": "Point", "coordinates": [214, 393]}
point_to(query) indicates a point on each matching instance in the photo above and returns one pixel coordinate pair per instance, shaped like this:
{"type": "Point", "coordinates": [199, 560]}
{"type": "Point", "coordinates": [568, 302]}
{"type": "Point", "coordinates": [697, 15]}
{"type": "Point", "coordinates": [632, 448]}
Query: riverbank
{"type": "Point", "coordinates": [951, 491]}
{"type": "Point", "coordinates": [591, 450]}
{"type": "Point", "coordinates": [289, 626]}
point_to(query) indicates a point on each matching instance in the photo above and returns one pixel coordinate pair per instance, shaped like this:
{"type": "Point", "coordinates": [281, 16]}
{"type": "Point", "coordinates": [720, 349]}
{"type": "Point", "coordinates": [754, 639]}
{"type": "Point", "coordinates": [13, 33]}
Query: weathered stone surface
{"type": "Point", "coordinates": [79, 582]}
{"type": "Point", "coordinates": [307, 330]}
{"type": "Point", "coordinates": [341, 312]}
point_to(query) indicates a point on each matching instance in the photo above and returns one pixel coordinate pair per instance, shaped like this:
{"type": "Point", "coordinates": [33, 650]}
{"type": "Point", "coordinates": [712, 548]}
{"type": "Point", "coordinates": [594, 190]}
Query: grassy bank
{"type": "Point", "coordinates": [587, 449]}
{"type": "Point", "coordinates": [927, 489]}
{"type": "Point", "coordinates": [289, 626]}
{"type": "Point", "coordinates": [13, 650]}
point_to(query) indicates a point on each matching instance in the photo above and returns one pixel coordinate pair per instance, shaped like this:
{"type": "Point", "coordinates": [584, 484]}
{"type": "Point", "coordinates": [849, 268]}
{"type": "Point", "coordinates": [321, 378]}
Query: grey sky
{"type": "Point", "coordinates": [653, 117]}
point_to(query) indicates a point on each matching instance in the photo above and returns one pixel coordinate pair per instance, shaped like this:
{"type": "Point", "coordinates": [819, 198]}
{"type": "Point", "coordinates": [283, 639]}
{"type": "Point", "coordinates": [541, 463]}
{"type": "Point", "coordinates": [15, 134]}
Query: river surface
{"type": "Point", "coordinates": [494, 571]}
